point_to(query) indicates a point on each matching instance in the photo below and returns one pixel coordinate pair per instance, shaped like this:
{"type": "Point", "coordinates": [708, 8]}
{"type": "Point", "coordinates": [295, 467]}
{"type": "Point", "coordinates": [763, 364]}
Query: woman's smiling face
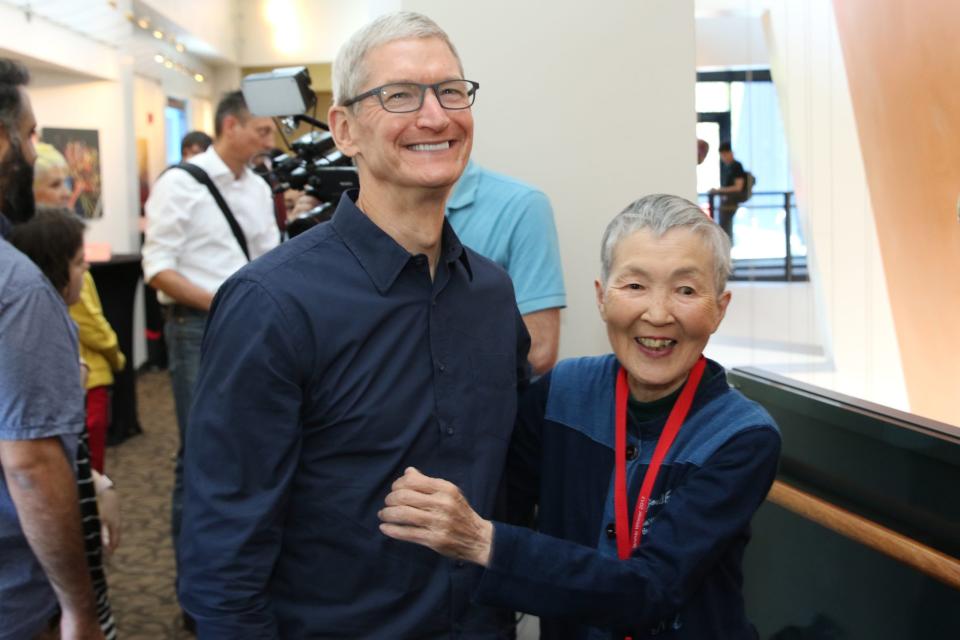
{"type": "Point", "coordinates": [661, 305]}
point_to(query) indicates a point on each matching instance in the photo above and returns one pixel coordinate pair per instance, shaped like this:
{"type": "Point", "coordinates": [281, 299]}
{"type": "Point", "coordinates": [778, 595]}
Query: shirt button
{"type": "Point", "coordinates": [442, 367]}
{"type": "Point", "coordinates": [611, 531]}
{"type": "Point", "coordinates": [460, 564]}
{"type": "Point", "coordinates": [449, 431]}
{"type": "Point", "coordinates": [632, 452]}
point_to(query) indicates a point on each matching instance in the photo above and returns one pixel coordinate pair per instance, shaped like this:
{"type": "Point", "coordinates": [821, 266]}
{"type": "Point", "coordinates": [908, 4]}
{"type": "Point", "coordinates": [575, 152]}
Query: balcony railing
{"type": "Point", "coordinates": [767, 239]}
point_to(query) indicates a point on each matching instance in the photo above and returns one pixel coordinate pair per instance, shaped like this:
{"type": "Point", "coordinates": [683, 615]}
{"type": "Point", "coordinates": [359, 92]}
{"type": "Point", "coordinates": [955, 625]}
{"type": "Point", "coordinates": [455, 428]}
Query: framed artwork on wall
{"type": "Point", "coordinates": [81, 148]}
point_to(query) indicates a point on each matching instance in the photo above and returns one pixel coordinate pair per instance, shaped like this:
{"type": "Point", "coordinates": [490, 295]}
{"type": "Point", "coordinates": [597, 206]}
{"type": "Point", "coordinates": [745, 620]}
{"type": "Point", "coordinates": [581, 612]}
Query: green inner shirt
{"type": "Point", "coordinates": [647, 419]}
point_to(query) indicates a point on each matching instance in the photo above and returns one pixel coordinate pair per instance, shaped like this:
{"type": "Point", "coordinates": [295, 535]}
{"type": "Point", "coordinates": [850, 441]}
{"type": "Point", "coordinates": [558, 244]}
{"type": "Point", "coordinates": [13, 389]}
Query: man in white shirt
{"type": "Point", "coordinates": [189, 249]}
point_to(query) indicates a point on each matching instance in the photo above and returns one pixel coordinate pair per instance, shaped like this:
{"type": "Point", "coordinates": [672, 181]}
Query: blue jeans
{"type": "Point", "coordinates": [183, 332]}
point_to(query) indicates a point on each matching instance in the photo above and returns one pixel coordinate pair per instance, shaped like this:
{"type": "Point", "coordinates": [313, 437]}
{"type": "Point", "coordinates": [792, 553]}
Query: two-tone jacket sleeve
{"type": "Point", "coordinates": [550, 577]}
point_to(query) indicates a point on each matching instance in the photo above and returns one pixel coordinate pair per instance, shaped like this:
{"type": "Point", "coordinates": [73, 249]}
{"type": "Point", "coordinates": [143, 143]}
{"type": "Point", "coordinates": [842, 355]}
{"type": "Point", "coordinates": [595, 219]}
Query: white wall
{"type": "Point", "coordinates": [149, 100]}
{"type": "Point", "coordinates": [846, 269]}
{"type": "Point", "coordinates": [730, 41]}
{"type": "Point", "coordinates": [593, 103]}
{"type": "Point", "coordinates": [101, 106]}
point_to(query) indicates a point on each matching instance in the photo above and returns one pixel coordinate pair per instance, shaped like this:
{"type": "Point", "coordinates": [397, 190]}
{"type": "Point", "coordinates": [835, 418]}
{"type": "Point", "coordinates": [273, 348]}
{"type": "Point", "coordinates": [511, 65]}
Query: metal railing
{"type": "Point", "coordinates": [794, 267]}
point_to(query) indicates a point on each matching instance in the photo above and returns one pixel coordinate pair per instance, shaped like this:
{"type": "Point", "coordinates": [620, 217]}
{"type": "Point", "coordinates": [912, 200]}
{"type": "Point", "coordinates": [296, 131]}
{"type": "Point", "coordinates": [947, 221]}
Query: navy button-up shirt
{"type": "Point", "coordinates": [329, 366]}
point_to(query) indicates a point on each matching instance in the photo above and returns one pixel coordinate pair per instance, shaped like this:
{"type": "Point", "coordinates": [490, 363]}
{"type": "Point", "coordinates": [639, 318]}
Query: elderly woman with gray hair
{"type": "Point", "coordinates": [645, 466]}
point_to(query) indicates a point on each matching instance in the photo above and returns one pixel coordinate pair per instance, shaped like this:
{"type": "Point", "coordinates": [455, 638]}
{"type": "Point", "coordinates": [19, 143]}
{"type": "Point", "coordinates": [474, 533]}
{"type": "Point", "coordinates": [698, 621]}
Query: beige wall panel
{"type": "Point", "coordinates": [903, 61]}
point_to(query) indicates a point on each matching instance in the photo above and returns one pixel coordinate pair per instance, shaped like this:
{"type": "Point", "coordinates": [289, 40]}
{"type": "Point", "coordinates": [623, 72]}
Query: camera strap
{"type": "Point", "coordinates": [201, 176]}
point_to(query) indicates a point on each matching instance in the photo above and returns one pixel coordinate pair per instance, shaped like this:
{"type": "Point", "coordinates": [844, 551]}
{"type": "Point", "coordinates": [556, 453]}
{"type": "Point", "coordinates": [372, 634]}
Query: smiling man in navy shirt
{"type": "Point", "coordinates": [369, 344]}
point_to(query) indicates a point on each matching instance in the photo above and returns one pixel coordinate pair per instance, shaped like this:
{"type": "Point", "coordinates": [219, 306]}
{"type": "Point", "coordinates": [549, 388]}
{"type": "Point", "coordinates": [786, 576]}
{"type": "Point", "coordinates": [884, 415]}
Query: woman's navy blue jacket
{"type": "Point", "coordinates": [684, 581]}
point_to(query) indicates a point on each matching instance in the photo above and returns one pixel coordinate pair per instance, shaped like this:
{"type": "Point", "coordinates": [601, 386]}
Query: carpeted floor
{"type": "Point", "coordinates": [141, 573]}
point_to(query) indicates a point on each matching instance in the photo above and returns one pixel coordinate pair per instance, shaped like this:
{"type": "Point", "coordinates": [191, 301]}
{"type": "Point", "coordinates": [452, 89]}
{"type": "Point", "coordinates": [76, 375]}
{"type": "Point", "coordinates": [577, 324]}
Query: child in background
{"type": "Point", "coordinates": [53, 240]}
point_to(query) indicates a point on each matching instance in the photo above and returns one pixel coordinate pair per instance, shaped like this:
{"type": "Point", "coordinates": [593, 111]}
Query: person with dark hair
{"type": "Point", "coordinates": [53, 240]}
{"type": "Point", "coordinates": [42, 559]}
{"type": "Point", "coordinates": [733, 189]}
{"type": "Point", "coordinates": [194, 143]}
{"type": "Point", "coordinates": [204, 220]}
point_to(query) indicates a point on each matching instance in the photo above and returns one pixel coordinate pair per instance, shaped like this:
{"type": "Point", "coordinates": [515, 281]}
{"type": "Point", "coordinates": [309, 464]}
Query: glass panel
{"type": "Point", "coordinates": [712, 96]}
{"type": "Point", "coordinates": [757, 135]}
{"type": "Point", "coordinates": [758, 229]}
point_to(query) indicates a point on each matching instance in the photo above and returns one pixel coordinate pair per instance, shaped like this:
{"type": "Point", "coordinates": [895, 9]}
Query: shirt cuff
{"type": "Point", "coordinates": [532, 305]}
{"type": "Point", "coordinates": [502, 555]}
{"type": "Point", "coordinates": [154, 265]}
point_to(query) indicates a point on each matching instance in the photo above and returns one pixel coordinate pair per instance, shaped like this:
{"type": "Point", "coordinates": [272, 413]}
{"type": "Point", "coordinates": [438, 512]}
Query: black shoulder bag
{"type": "Point", "coordinates": [201, 176]}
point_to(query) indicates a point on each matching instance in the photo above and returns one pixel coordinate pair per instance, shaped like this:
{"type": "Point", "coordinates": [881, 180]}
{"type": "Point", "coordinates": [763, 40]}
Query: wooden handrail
{"type": "Point", "coordinates": [916, 555]}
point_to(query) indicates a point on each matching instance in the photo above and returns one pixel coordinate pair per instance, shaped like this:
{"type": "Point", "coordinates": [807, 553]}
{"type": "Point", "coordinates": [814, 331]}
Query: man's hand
{"type": "Point", "coordinates": [86, 628]}
{"type": "Point", "coordinates": [433, 513]}
{"type": "Point", "coordinates": [44, 491]}
{"type": "Point", "coordinates": [303, 204]}
{"type": "Point", "coordinates": [182, 290]}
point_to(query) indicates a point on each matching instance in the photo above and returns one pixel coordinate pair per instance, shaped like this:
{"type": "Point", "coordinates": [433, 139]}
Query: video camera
{"type": "Point", "coordinates": [314, 164]}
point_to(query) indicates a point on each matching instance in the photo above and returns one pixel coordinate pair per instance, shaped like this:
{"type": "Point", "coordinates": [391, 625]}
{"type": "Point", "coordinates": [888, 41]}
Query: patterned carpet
{"type": "Point", "coordinates": [141, 573]}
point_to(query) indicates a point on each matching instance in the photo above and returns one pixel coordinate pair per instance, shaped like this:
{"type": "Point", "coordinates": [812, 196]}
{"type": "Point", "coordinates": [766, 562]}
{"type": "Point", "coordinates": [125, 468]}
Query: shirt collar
{"type": "Point", "coordinates": [380, 255]}
{"type": "Point", "coordinates": [211, 162]}
{"type": "Point", "coordinates": [5, 226]}
{"type": "Point", "coordinates": [465, 191]}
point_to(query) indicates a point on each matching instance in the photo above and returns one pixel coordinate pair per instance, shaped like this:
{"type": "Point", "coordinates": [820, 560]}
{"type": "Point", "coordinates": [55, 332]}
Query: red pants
{"type": "Point", "coordinates": [98, 419]}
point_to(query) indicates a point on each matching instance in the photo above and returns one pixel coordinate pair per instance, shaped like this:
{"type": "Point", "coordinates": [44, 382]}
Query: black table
{"type": "Point", "coordinates": [117, 282]}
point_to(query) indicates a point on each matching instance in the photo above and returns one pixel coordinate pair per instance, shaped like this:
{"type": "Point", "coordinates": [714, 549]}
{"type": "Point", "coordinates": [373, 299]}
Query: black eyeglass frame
{"type": "Point", "coordinates": [378, 91]}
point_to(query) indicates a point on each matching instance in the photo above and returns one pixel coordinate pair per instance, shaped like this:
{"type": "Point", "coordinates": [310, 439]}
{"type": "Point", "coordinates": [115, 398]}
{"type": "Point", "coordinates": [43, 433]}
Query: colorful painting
{"type": "Point", "coordinates": [81, 148]}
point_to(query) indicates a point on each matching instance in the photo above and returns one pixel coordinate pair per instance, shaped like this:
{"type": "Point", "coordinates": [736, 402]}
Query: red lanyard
{"type": "Point", "coordinates": [627, 543]}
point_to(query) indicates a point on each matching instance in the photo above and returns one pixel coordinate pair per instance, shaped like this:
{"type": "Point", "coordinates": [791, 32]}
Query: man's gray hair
{"type": "Point", "coordinates": [349, 67]}
{"type": "Point", "coordinates": [659, 213]}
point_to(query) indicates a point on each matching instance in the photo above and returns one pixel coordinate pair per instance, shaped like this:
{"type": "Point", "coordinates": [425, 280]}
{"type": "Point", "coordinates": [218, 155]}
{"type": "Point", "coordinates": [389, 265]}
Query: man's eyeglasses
{"type": "Point", "coordinates": [407, 97]}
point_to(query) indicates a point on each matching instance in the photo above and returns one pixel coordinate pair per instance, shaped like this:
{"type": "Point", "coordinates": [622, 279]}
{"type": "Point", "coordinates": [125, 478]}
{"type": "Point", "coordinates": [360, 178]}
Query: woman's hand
{"type": "Point", "coordinates": [108, 504]}
{"type": "Point", "coordinates": [433, 513]}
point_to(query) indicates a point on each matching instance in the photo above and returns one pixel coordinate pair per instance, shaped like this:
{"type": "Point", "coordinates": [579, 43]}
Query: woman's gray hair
{"type": "Point", "coordinates": [659, 213]}
{"type": "Point", "coordinates": [349, 67]}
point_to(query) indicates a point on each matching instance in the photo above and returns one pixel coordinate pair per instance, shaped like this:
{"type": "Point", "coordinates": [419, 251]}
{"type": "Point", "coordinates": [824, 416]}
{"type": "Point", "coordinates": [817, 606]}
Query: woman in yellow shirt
{"type": "Point", "coordinates": [98, 342]}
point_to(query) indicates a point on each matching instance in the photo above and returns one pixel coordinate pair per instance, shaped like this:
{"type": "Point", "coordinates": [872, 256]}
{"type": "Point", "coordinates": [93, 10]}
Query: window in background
{"type": "Point", "coordinates": [175, 121]}
{"type": "Point", "coordinates": [742, 107]}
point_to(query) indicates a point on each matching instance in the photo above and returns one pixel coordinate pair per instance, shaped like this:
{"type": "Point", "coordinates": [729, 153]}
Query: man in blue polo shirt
{"type": "Point", "coordinates": [512, 224]}
{"type": "Point", "coordinates": [42, 559]}
{"type": "Point", "coordinates": [367, 344]}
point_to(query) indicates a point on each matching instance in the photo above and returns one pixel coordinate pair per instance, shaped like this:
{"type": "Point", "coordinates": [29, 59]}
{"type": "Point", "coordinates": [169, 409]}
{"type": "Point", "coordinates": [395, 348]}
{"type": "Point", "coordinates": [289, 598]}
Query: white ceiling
{"type": "Point", "coordinates": [98, 20]}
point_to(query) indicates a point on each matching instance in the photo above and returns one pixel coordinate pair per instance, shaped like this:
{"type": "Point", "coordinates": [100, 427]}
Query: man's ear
{"type": "Point", "coordinates": [342, 128]}
{"type": "Point", "coordinates": [230, 123]}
